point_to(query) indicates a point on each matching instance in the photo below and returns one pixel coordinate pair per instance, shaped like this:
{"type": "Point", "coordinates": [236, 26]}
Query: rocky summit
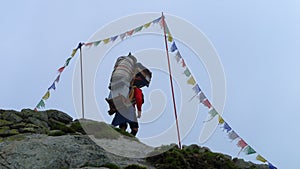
{"type": "Point", "coordinates": [52, 139]}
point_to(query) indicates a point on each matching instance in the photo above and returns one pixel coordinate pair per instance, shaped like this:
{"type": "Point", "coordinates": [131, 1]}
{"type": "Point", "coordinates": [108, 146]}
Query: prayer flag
{"type": "Point", "coordinates": [191, 81]}
{"type": "Point", "coordinates": [213, 113]}
{"type": "Point", "coordinates": [170, 38]}
{"type": "Point", "coordinates": [249, 150]}
{"type": "Point", "coordinates": [52, 86]}
{"type": "Point", "coordinates": [105, 41]}
{"type": "Point", "coordinates": [178, 56]}
{"type": "Point", "coordinates": [68, 61]}
{"type": "Point", "coordinates": [260, 158]}
{"type": "Point", "coordinates": [221, 120]}
{"type": "Point", "coordinates": [88, 44]}
{"type": "Point", "coordinates": [61, 69]}
{"type": "Point", "coordinates": [206, 103]}
{"type": "Point", "coordinates": [173, 47]}
{"type": "Point", "coordinates": [138, 29]}
{"type": "Point", "coordinates": [46, 96]}
{"type": "Point", "coordinates": [241, 143]}
{"type": "Point", "coordinates": [232, 135]}
{"type": "Point", "coordinates": [156, 20]}
{"type": "Point", "coordinates": [57, 78]}
{"type": "Point", "coordinates": [196, 89]}
{"type": "Point", "coordinates": [122, 36]}
{"type": "Point", "coordinates": [187, 72]}
{"type": "Point", "coordinates": [271, 166]}
{"type": "Point", "coordinates": [183, 63]}
{"type": "Point", "coordinates": [41, 104]}
{"type": "Point", "coordinates": [129, 33]}
{"type": "Point", "coordinates": [113, 38]}
{"type": "Point", "coordinates": [201, 97]}
{"type": "Point", "coordinates": [226, 127]}
{"type": "Point", "coordinates": [97, 43]}
{"type": "Point", "coordinates": [74, 52]}
{"type": "Point", "coordinates": [147, 25]}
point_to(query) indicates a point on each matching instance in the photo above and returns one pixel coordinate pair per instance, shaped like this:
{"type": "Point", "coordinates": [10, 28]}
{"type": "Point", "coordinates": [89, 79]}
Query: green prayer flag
{"type": "Point", "coordinates": [249, 150]}
{"type": "Point", "coordinates": [187, 72]}
{"type": "Point", "coordinates": [97, 43]}
{"type": "Point", "coordinates": [138, 29]}
{"type": "Point", "coordinates": [41, 104]}
{"type": "Point", "coordinates": [68, 61]}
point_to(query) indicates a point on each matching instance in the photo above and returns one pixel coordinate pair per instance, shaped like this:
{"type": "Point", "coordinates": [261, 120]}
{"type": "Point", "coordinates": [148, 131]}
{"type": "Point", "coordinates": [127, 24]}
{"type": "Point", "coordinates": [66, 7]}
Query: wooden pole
{"type": "Point", "coordinates": [81, 79]}
{"type": "Point", "coordinates": [171, 81]}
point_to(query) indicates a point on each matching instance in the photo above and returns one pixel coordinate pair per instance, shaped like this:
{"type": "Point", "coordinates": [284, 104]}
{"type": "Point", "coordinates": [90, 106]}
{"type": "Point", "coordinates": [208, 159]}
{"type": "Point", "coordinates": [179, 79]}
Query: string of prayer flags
{"type": "Point", "coordinates": [232, 135]}
{"type": "Point", "coordinates": [124, 34]}
{"type": "Point", "coordinates": [46, 96]}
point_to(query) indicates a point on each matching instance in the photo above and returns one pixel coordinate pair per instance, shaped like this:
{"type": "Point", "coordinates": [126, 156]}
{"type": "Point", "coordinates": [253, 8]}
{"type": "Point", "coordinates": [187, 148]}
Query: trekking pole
{"type": "Point", "coordinates": [171, 81]}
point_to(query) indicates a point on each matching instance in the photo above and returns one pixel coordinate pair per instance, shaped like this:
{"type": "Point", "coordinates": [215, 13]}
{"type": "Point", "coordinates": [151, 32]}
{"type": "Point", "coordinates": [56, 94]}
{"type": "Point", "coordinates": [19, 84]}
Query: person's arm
{"type": "Point", "coordinates": [139, 100]}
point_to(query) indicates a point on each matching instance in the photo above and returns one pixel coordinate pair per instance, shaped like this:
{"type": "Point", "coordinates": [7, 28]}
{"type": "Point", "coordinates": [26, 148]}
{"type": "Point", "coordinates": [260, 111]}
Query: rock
{"type": "Point", "coordinates": [11, 116]}
{"type": "Point", "coordinates": [5, 123]}
{"type": "Point", "coordinates": [69, 151]}
{"type": "Point", "coordinates": [6, 131]}
{"type": "Point", "coordinates": [59, 116]}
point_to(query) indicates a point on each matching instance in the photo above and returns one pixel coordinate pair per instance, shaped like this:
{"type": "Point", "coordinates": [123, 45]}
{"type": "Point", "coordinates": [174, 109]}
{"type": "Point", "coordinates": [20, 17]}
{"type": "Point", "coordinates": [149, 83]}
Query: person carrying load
{"type": "Point", "coordinates": [125, 108]}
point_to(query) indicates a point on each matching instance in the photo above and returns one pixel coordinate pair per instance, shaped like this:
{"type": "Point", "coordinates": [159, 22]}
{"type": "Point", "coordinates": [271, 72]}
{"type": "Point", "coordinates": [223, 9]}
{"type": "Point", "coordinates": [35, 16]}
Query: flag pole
{"type": "Point", "coordinates": [81, 79]}
{"type": "Point", "coordinates": [171, 81]}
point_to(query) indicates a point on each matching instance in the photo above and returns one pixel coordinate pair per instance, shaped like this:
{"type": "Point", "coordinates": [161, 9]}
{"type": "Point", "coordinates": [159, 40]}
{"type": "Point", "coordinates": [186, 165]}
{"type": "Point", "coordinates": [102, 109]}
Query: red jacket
{"type": "Point", "coordinates": [138, 94]}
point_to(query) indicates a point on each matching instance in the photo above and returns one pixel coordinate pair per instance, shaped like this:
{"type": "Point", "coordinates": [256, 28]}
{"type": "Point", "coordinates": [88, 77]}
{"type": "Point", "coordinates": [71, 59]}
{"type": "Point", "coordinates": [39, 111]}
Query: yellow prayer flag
{"type": "Point", "coordinates": [221, 120]}
{"type": "Point", "coordinates": [260, 158]}
{"type": "Point", "coordinates": [147, 25]}
{"type": "Point", "coordinates": [46, 96]}
{"type": "Point", "coordinates": [191, 81]}
{"type": "Point", "coordinates": [170, 38]}
{"type": "Point", "coordinates": [105, 41]}
{"type": "Point", "coordinates": [74, 52]}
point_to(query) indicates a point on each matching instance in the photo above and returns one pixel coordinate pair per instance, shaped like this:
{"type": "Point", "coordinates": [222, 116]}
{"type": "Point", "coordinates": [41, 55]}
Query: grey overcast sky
{"type": "Point", "coordinates": [257, 42]}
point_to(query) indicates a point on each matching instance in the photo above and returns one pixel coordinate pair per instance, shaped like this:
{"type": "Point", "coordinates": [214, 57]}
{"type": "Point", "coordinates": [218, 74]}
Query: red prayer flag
{"type": "Point", "coordinates": [129, 33]}
{"type": "Point", "coordinates": [61, 69]}
{"type": "Point", "coordinates": [207, 103]}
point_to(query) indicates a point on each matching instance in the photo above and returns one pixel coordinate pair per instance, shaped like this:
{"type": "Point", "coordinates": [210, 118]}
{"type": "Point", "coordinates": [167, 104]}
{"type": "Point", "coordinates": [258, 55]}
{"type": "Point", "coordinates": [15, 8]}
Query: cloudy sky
{"type": "Point", "coordinates": [257, 43]}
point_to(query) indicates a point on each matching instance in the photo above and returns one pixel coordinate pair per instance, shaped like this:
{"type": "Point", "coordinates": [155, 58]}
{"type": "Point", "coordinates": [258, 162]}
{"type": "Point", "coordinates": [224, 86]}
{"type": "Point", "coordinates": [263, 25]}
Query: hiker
{"type": "Point", "coordinates": [124, 116]}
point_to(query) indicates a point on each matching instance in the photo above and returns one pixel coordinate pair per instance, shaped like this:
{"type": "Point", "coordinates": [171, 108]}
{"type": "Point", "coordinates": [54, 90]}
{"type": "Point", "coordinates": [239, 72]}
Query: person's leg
{"type": "Point", "coordinates": [123, 126]}
{"type": "Point", "coordinates": [134, 126]}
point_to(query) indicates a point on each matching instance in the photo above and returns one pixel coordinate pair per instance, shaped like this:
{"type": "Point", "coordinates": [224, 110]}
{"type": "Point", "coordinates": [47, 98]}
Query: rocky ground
{"type": "Point", "coordinates": [52, 139]}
